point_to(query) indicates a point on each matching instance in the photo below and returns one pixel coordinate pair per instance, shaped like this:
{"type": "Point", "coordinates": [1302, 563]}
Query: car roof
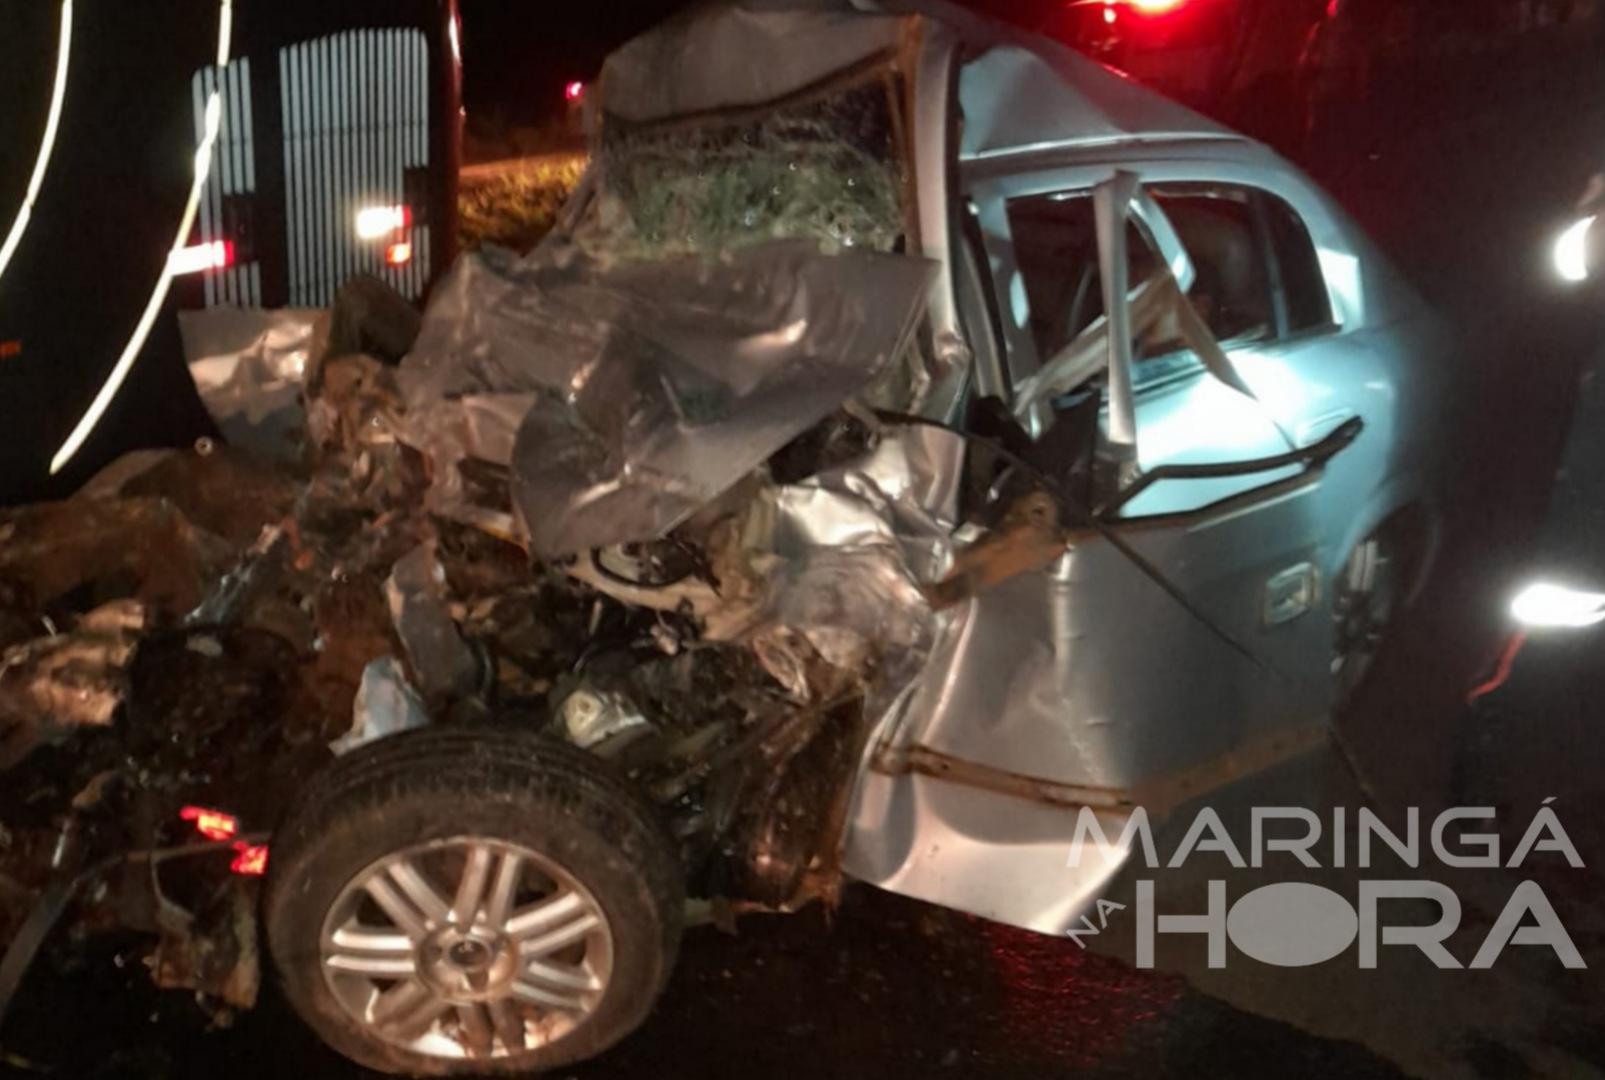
{"type": "Point", "coordinates": [1025, 96]}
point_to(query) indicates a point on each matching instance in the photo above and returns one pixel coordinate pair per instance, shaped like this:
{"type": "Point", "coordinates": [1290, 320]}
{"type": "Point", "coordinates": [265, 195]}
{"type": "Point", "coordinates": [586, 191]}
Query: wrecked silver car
{"type": "Point", "coordinates": [912, 434]}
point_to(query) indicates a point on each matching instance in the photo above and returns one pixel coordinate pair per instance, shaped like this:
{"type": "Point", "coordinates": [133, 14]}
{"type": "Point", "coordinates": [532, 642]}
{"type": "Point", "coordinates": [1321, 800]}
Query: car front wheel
{"type": "Point", "coordinates": [460, 901]}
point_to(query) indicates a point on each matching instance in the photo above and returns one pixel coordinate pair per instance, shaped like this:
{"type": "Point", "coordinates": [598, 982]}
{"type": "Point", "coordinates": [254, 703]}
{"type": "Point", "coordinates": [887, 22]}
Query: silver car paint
{"type": "Point", "coordinates": [1086, 676]}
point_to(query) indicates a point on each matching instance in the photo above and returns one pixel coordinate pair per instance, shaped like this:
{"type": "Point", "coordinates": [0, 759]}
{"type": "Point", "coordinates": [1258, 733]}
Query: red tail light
{"type": "Point", "coordinates": [250, 860]}
{"type": "Point", "coordinates": [212, 824]}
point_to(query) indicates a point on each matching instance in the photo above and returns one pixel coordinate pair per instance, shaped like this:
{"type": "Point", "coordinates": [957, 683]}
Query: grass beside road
{"type": "Point", "coordinates": [517, 206]}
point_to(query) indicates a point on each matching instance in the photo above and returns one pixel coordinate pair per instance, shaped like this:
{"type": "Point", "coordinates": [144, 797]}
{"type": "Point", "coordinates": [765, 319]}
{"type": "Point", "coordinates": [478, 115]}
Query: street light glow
{"type": "Point", "coordinates": [1547, 605]}
{"type": "Point", "coordinates": [1571, 251]}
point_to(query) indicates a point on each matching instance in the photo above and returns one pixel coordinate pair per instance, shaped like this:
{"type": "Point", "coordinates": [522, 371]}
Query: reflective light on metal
{"type": "Point", "coordinates": [1501, 669]}
{"type": "Point", "coordinates": [42, 162]}
{"type": "Point", "coordinates": [250, 860]}
{"type": "Point", "coordinates": [212, 824]}
{"type": "Point", "coordinates": [192, 260]}
{"type": "Point", "coordinates": [377, 222]}
{"type": "Point", "coordinates": [1544, 604]}
{"type": "Point", "coordinates": [1571, 251]}
{"type": "Point", "coordinates": [1342, 273]}
{"type": "Point", "coordinates": [398, 254]}
{"type": "Point", "coordinates": [203, 158]}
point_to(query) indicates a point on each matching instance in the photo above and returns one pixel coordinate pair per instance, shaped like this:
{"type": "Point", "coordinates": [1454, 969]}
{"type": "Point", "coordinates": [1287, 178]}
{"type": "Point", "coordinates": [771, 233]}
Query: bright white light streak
{"type": "Point", "coordinates": [1544, 604]}
{"type": "Point", "coordinates": [225, 32]}
{"type": "Point", "coordinates": [203, 162]}
{"type": "Point", "coordinates": [53, 121]}
{"type": "Point", "coordinates": [1571, 251]}
{"type": "Point", "coordinates": [192, 260]}
{"type": "Point", "coordinates": [375, 222]}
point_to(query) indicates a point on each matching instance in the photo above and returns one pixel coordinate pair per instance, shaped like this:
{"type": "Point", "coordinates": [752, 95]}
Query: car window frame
{"type": "Point", "coordinates": [992, 189]}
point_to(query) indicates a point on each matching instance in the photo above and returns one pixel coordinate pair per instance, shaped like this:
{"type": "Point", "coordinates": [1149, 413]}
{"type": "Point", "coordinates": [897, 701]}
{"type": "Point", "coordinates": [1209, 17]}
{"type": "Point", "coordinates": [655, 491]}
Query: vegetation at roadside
{"type": "Point", "coordinates": [516, 208]}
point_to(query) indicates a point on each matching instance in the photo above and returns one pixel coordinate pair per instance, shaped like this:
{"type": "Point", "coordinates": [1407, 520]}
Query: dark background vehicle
{"type": "Point", "coordinates": [326, 108]}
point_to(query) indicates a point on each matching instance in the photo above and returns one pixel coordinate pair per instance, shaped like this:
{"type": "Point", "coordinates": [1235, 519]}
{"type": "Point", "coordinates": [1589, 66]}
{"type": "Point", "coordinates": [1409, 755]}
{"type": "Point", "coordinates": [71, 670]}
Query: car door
{"type": "Point", "coordinates": [1180, 644]}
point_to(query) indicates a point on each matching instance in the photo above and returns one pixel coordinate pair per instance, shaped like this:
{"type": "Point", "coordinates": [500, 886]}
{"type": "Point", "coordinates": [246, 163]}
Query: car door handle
{"type": "Point", "coordinates": [1289, 594]}
{"type": "Point", "coordinates": [1313, 431]}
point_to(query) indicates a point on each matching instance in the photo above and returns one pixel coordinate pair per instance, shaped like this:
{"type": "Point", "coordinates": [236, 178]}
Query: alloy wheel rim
{"type": "Point", "coordinates": [466, 948]}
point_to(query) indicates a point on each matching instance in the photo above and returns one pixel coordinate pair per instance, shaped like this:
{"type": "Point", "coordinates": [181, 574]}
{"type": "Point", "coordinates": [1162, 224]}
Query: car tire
{"type": "Point", "coordinates": [436, 898]}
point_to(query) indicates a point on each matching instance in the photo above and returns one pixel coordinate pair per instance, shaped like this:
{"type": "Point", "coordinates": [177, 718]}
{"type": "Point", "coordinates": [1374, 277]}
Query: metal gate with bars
{"type": "Point", "coordinates": [341, 123]}
{"type": "Point", "coordinates": [356, 127]}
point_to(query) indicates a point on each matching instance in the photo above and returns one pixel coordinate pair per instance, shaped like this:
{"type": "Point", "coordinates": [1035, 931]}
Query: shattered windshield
{"type": "Point", "coordinates": [828, 169]}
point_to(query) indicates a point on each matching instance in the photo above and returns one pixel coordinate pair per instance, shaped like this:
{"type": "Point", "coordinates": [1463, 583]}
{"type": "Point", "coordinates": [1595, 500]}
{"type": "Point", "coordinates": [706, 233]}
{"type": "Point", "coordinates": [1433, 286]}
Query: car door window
{"type": "Point", "coordinates": [1223, 241]}
{"type": "Point", "coordinates": [1298, 268]}
{"type": "Point", "coordinates": [1232, 291]}
{"type": "Point", "coordinates": [1257, 278]}
{"type": "Point", "coordinates": [1056, 250]}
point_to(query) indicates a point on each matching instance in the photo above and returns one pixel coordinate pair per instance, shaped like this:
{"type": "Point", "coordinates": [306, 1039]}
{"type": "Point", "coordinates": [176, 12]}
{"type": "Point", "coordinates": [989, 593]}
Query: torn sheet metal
{"type": "Point", "coordinates": [386, 705]}
{"type": "Point", "coordinates": [250, 367]}
{"type": "Point", "coordinates": [846, 632]}
{"type": "Point", "coordinates": [862, 614]}
{"type": "Point", "coordinates": [855, 542]}
{"type": "Point", "coordinates": [903, 493]}
{"type": "Point", "coordinates": [735, 55]}
{"type": "Point", "coordinates": [440, 661]}
{"type": "Point", "coordinates": [659, 385]}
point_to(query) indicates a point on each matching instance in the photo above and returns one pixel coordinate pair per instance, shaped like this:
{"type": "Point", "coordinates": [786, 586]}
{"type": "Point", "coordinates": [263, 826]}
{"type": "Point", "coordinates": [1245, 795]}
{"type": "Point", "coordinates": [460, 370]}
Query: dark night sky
{"type": "Point", "coordinates": [518, 54]}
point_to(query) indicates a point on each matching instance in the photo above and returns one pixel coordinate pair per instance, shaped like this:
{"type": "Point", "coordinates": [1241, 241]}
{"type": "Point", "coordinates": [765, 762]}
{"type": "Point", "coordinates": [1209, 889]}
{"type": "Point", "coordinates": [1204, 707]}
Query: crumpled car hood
{"type": "Point", "coordinates": [642, 392]}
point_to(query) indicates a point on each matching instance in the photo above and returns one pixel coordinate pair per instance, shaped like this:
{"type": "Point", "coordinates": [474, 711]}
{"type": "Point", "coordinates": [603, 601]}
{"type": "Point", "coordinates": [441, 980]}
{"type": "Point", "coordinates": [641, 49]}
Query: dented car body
{"type": "Point", "coordinates": [912, 434]}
